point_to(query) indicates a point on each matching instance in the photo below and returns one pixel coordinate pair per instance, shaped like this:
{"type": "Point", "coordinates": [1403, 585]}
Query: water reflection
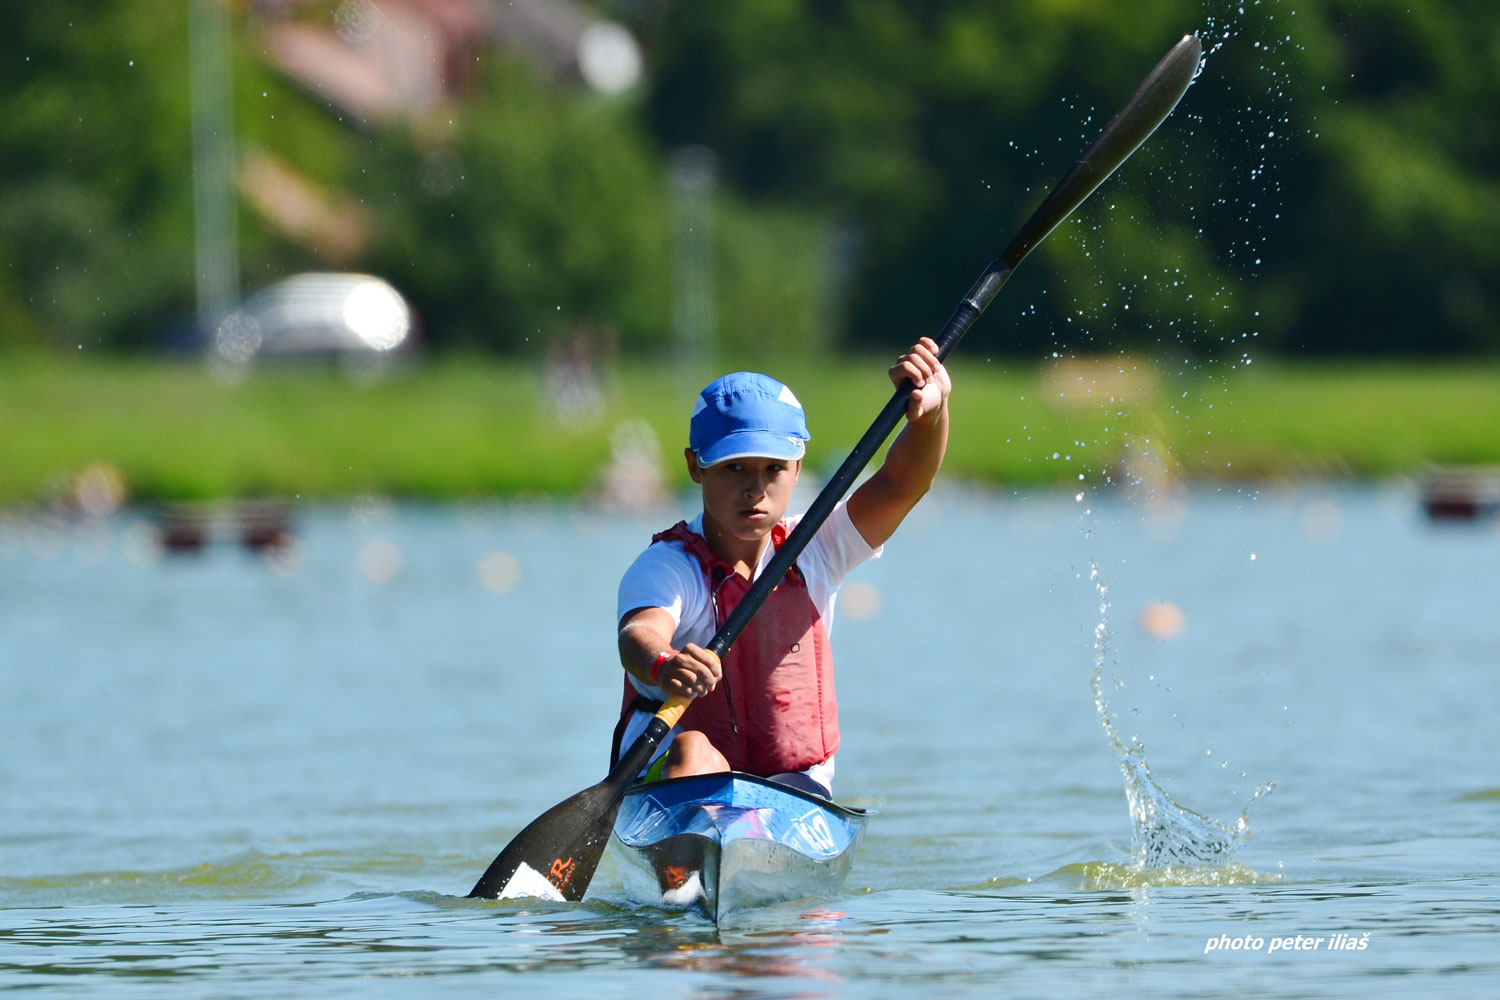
{"type": "Point", "coordinates": [790, 952]}
{"type": "Point", "coordinates": [779, 943]}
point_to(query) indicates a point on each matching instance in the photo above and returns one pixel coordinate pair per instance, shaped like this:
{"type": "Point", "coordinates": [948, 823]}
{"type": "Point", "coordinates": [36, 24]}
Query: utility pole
{"type": "Point", "coordinates": [694, 176]}
{"type": "Point", "coordinates": [215, 234]}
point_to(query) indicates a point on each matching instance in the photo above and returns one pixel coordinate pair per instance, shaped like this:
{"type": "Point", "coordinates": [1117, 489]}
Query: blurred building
{"type": "Point", "coordinates": [383, 59]}
{"type": "Point", "coordinates": [378, 62]}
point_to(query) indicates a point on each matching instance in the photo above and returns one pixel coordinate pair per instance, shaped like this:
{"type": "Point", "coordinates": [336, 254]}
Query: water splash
{"type": "Point", "coordinates": [1165, 835]}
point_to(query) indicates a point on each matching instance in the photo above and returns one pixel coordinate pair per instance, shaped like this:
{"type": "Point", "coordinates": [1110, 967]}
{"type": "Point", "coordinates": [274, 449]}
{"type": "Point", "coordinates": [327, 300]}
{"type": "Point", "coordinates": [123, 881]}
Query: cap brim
{"type": "Point", "coordinates": [752, 444]}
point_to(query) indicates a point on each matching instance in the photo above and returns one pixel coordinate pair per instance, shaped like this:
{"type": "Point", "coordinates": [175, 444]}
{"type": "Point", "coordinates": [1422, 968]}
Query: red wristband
{"type": "Point", "coordinates": [661, 660]}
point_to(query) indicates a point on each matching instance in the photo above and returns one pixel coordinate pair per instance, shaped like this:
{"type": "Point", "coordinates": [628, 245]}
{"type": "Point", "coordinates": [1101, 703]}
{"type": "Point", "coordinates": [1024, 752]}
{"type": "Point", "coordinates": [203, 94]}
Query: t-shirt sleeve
{"type": "Point", "coordinates": [837, 548]}
{"type": "Point", "coordinates": [665, 577]}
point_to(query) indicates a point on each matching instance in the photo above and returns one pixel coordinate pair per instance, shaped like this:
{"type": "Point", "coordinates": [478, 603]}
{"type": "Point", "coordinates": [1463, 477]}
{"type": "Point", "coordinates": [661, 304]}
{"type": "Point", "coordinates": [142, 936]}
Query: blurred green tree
{"type": "Point", "coordinates": [95, 219]}
{"type": "Point", "coordinates": [538, 213]}
{"type": "Point", "coordinates": [1328, 185]}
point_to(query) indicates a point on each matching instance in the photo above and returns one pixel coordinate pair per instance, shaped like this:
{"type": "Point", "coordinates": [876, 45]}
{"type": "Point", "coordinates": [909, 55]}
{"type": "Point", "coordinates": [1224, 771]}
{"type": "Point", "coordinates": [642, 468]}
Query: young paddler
{"type": "Point", "coordinates": [769, 707]}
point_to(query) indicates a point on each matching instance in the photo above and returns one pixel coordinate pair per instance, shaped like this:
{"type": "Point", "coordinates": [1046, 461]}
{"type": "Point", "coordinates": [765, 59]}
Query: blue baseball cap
{"type": "Point", "coordinates": [747, 415]}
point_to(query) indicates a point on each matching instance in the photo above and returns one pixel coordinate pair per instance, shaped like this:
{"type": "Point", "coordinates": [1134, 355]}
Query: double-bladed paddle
{"type": "Point", "coordinates": [555, 857]}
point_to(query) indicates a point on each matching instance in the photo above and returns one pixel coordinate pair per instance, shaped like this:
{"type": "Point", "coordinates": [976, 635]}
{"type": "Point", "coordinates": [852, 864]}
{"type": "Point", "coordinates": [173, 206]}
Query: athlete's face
{"type": "Point", "coordinates": [745, 497]}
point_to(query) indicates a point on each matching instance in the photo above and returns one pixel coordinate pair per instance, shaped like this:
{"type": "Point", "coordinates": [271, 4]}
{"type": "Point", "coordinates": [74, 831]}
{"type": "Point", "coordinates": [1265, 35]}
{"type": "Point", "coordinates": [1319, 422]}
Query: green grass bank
{"type": "Point", "coordinates": [470, 426]}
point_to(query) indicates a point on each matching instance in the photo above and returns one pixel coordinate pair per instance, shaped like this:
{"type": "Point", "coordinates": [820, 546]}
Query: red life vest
{"type": "Point", "coordinates": [775, 709]}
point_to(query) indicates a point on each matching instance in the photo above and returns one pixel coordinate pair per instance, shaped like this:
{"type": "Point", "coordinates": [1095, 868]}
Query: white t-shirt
{"type": "Point", "coordinates": [666, 576]}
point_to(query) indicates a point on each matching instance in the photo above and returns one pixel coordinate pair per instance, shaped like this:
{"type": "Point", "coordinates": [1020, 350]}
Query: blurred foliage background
{"type": "Point", "coordinates": [1329, 186]}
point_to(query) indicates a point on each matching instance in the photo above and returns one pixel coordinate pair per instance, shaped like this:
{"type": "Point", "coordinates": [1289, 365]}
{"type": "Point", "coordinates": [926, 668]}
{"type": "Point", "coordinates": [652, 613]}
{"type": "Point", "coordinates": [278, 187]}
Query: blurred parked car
{"type": "Point", "coordinates": [344, 317]}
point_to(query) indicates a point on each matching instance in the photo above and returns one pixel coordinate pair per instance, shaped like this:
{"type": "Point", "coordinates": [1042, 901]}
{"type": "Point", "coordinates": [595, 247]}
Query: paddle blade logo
{"type": "Point", "coordinates": [561, 872]}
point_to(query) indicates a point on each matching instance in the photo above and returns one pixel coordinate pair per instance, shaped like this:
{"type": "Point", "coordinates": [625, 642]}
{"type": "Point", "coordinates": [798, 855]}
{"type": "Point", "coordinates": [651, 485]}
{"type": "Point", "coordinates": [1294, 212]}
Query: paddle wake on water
{"type": "Point", "coordinates": [1172, 845]}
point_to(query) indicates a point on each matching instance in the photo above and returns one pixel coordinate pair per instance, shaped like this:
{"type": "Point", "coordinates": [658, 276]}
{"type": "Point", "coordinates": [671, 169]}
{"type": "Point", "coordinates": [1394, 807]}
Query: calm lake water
{"type": "Point", "coordinates": [228, 777]}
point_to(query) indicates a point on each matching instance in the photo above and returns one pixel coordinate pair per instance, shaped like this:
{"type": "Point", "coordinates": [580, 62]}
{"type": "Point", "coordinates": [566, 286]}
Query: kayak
{"type": "Point", "coordinates": [722, 842]}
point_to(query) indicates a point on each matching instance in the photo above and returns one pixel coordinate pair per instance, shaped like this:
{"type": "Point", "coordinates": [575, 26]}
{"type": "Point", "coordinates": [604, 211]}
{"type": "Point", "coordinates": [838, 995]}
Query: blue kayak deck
{"type": "Point", "coordinates": [729, 841]}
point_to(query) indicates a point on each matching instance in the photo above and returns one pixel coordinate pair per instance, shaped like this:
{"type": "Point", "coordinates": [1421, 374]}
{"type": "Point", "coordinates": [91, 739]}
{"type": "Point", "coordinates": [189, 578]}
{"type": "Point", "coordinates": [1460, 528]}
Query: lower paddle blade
{"type": "Point", "coordinates": [554, 858]}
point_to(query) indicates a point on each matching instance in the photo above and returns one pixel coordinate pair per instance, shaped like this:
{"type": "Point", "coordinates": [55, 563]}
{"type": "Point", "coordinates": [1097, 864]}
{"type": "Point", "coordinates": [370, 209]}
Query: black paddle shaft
{"type": "Point", "coordinates": [1152, 101]}
{"type": "Point", "coordinates": [564, 844]}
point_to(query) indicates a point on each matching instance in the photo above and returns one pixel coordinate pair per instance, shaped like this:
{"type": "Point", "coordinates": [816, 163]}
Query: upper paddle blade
{"type": "Point", "coordinates": [1142, 112]}
{"type": "Point", "coordinates": [555, 857]}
